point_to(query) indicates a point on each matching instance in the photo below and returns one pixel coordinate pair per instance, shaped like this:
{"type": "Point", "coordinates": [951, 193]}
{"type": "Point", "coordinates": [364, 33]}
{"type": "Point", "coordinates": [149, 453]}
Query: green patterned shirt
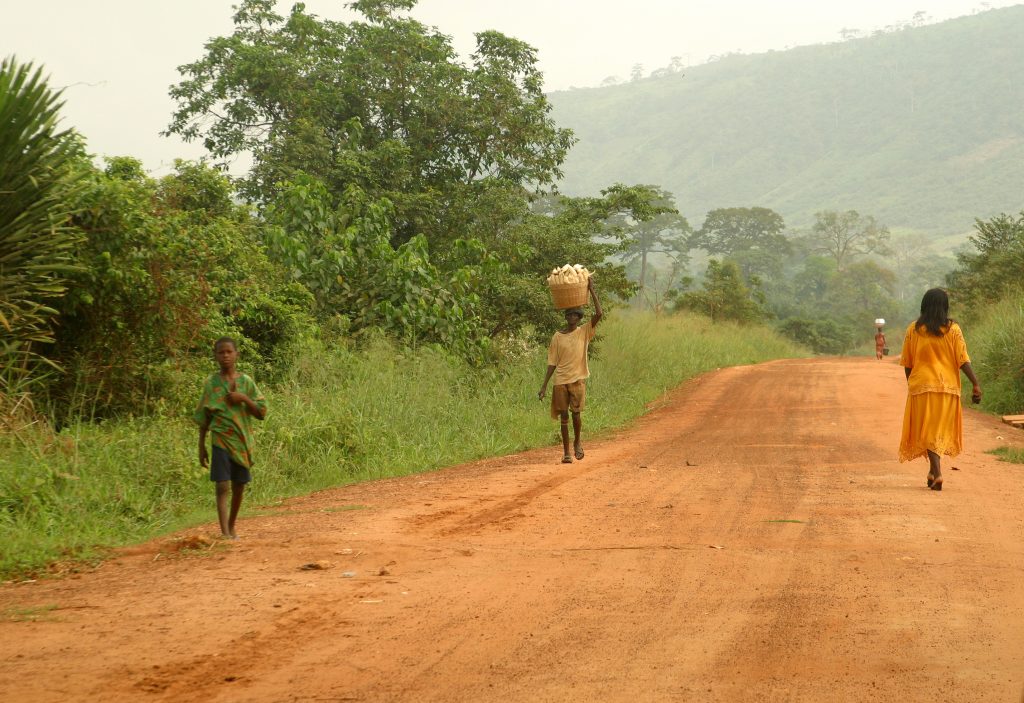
{"type": "Point", "coordinates": [230, 425]}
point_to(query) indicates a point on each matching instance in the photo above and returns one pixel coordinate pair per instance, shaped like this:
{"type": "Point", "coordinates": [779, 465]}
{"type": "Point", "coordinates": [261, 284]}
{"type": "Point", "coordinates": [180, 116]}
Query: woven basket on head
{"type": "Point", "coordinates": [568, 295]}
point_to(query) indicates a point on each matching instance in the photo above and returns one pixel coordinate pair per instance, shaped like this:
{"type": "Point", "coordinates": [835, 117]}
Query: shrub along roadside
{"type": "Point", "coordinates": [342, 415]}
{"type": "Point", "coordinates": [995, 341]}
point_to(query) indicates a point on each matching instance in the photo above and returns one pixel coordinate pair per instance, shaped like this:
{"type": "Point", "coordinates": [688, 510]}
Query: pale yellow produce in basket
{"type": "Point", "coordinates": [568, 285]}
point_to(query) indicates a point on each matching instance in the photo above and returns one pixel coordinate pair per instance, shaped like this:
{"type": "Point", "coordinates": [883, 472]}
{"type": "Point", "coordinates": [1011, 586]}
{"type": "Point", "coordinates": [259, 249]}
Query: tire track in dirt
{"type": "Point", "coordinates": [180, 679]}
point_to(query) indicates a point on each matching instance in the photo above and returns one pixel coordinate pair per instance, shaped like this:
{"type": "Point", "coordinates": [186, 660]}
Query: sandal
{"type": "Point", "coordinates": [579, 453]}
{"type": "Point", "coordinates": [931, 480]}
{"type": "Point", "coordinates": [566, 459]}
{"type": "Point", "coordinates": [936, 484]}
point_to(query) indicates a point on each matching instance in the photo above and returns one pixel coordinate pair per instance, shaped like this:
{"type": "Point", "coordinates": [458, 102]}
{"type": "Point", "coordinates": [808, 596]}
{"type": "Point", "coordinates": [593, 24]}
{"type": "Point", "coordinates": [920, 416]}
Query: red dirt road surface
{"type": "Point", "coordinates": [752, 539]}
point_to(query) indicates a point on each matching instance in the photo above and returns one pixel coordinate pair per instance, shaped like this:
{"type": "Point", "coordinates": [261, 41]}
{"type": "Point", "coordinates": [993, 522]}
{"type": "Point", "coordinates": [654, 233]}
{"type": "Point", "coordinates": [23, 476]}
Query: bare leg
{"type": "Point", "coordinates": [223, 487]}
{"type": "Point", "coordinates": [237, 490]}
{"type": "Point", "coordinates": [935, 470]}
{"type": "Point", "coordinates": [577, 429]}
{"type": "Point", "coordinates": [565, 435]}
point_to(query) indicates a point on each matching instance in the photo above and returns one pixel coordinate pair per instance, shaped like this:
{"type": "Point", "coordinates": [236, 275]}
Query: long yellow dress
{"type": "Point", "coordinates": [933, 418]}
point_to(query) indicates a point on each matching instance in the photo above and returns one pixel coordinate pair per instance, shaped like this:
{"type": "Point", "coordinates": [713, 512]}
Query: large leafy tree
{"type": "Point", "coordinates": [531, 237]}
{"type": "Point", "coordinates": [662, 231]}
{"type": "Point", "coordinates": [918, 267]}
{"type": "Point", "coordinates": [35, 184]}
{"type": "Point", "coordinates": [723, 295]}
{"type": "Point", "coordinates": [833, 309]}
{"type": "Point", "coordinates": [383, 104]}
{"type": "Point", "coordinates": [812, 282]}
{"type": "Point", "coordinates": [751, 236]}
{"type": "Point", "coordinates": [846, 236]}
{"type": "Point", "coordinates": [862, 292]}
{"type": "Point", "coordinates": [464, 294]}
{"type": "Point", "coordinates": [344, 257]}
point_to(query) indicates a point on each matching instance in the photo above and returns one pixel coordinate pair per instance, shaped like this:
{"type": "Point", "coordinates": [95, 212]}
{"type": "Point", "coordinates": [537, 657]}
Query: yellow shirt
{"type": "Point", "coordinates": [934, 361]}
{"type": "Point", "coordinates": [568, 354]}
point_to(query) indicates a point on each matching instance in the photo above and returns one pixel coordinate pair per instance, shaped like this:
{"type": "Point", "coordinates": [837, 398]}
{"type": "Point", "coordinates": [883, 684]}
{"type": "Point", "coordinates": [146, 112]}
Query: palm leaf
{"type": "Point", "coordinates": [36, 185]}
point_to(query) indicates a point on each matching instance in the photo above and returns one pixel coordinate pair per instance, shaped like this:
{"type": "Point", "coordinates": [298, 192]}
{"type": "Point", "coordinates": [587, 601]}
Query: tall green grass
{"type": "Point", "coordinates": [341, 414]}
{"type": "Point", "coordinates": [995, 342]}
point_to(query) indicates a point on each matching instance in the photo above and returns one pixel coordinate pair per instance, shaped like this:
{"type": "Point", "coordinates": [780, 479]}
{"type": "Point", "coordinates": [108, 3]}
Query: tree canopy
{"type": "Point", "coordinates": [723, 295]}
{"type": "Point", "coordinates": [753, 237]}
{"type": "Point", "coordinates": [995, 267]}
{"type": "Point", "coordinates": [383, 104]}
{"type": "Point", "coordinates": [845, 236]}
{"type": "Point", "coordinates": [659, 230]}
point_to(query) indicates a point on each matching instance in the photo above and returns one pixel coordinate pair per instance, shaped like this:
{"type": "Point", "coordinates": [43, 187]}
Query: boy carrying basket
{"type": "Point", "coordinates": [567, 361]}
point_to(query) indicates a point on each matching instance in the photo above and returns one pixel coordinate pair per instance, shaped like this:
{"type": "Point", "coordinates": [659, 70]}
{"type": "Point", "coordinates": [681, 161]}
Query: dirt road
{"type": "Point", "coordinates": [753, 539]}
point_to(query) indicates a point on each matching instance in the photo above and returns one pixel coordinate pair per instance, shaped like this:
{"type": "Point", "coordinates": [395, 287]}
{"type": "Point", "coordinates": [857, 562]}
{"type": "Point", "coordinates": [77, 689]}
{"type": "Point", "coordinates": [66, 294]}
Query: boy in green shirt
{"type": "Point", "coordinates": [229, 402]}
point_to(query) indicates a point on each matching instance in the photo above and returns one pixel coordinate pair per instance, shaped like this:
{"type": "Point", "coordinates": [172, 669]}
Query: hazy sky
{"type": "Point", "coordinates": [118, 57]}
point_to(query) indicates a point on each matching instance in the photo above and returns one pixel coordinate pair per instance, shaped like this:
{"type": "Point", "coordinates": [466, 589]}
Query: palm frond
{"type": "Point", "coordinates": [36, 186]}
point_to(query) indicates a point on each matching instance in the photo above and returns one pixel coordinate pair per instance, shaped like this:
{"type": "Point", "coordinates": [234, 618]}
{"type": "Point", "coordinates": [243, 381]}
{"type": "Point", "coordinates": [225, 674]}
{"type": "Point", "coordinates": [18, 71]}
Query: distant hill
{"type": "Point", "coordinates": [922, 128]}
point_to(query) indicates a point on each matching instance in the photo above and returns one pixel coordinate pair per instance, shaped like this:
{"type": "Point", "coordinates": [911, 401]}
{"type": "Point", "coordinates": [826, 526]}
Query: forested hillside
{"type": "Point", "coordinates": [922, 127]}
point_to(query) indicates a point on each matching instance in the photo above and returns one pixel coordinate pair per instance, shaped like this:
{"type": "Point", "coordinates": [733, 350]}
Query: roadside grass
{"type": "Point", "coordinates": [996, 344]}
{"type": "Point", "coordinates": [1014, 455]}
{"type": "Point", "coordinates": [342, 414]}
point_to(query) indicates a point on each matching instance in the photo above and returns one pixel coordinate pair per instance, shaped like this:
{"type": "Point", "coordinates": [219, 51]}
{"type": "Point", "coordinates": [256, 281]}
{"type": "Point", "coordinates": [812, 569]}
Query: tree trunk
{"type": "Point", "coordinates": [643, 270]}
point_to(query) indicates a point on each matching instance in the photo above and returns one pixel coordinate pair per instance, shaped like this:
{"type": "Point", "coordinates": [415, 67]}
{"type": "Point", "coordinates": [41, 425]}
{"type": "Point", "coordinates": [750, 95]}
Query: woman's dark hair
{"type": "Point", "coordinates": [934, 312]}
{"type": "Point", "coordinates": [225, 340]}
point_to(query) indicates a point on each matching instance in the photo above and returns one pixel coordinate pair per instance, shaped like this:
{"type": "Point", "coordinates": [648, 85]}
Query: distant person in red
{"type": "Point", "coordinates": [879, 344]}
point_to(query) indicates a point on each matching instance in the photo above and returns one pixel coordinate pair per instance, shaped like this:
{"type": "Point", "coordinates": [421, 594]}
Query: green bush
{"type": "Point", "coordinates": [995, 341]}
{"type": "Point", "coordinates": [993, 269]}
{"type": "Point", "coordinates": [724, 296]}
{"type": "Point", "coordinates": [345, 257]}
{"type": "Point", "coordinates": [165, 267]}
{"type": "Point", "coordinates": [825, 336]}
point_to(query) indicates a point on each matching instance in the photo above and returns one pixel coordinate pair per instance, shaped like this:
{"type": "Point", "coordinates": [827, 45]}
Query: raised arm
{"type": "Point", "coordinates": [598, 313]}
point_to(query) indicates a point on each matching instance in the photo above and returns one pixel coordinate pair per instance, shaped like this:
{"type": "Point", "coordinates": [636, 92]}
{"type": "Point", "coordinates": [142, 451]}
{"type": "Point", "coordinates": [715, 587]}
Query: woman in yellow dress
{"type": "Point", "coordinates": [934, 354]}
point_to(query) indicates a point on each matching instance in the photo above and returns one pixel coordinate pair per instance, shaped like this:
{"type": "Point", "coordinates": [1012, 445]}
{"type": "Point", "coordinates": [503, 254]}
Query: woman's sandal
{"type": "Point", "coordinates": [579, 453]}
{"type": "Point", "coordinates": [936, 484]}
{"type": "Point", "coordinates": [931, 480]}
{"type": "Point", "coordinates": [566, 459]}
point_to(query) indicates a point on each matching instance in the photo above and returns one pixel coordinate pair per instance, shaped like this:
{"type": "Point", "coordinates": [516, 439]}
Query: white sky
{"type": "Point", "coordinates": [118, 57]}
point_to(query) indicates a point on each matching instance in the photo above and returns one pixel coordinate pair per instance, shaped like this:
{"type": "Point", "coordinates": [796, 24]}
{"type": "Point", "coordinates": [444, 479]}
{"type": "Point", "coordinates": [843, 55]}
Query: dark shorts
{"type": "Point", "coordinates": [224, 468]}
